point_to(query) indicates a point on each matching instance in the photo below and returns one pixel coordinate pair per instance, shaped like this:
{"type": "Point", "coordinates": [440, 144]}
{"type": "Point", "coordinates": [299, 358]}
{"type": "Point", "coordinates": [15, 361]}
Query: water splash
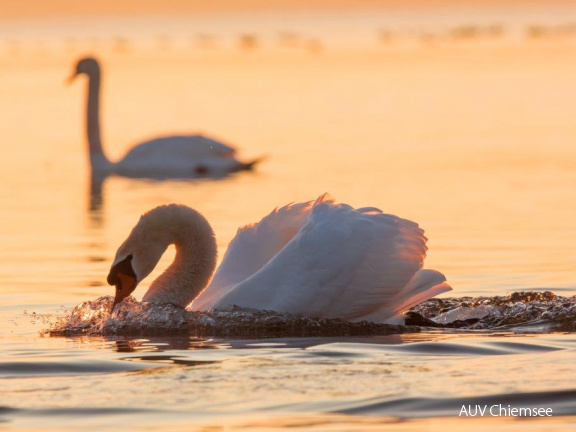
{"type": "Point", "coordinates": [543, 311]}
{"type": "Point", "coordinates": [133, 317]}
{"type": "Point", "coordinates": [130, 316]}
{"type": "Point", "coordinates": [462, 313]}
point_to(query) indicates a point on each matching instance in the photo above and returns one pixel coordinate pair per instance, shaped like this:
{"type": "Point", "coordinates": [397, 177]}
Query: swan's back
{"type": "Point", "coordinates": [180, 153]}
{"type": "Point", "coordinates": [187, 146]}
{"type": "Point", "coordinates": [343, 263]}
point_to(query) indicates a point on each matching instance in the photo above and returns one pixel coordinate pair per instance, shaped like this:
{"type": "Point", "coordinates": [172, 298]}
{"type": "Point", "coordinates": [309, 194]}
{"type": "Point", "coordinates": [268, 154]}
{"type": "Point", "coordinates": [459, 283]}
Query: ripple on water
{"type": "Point", "coordinates": [562, 403]}
{"type": "Point", "coordinates": [72, 367]}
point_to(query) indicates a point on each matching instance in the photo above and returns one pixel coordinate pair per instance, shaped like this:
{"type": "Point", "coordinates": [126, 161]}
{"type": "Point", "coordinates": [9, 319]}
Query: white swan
{"type": "Point", "coordinates": [318, 259]}
{"type": "Point", "coordinates": [179, 156]}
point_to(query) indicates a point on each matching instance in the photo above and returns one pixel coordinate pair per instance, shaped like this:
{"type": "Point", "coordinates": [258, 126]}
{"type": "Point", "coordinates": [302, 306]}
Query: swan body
{"type": "Point", "coordinates": [319, 259]}
{"type": "Point", "coordinates": [179, 156]}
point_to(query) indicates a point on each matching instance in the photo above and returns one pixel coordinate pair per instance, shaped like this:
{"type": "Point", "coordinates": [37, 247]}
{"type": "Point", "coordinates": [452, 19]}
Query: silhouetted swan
{"type": "Point", "coordinates": [318, 259]}
{"type": "Point", "coordinates": [179, 156]}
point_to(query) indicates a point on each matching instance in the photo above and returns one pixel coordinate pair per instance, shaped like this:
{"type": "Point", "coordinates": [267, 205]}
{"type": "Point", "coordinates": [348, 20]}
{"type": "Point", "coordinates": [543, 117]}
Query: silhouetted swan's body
{"type": "Point", "coordinates": [179, 156]}
{"type": "Point", "coordinates": [318, 259]}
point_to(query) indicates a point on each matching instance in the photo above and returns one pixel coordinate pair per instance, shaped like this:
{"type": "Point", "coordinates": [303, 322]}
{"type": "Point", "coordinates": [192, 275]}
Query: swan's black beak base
{"type": "Point", "coordinates": [122, 276]}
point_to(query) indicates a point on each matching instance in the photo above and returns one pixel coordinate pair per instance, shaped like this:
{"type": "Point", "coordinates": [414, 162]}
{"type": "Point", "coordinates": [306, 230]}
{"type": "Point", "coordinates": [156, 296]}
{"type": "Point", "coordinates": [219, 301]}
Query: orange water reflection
{"type": "Point", "coordinates": [474, 143]}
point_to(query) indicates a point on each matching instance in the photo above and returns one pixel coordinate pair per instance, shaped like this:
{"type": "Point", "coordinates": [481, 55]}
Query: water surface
{"type": "Point", "coordinates": [473, 139]}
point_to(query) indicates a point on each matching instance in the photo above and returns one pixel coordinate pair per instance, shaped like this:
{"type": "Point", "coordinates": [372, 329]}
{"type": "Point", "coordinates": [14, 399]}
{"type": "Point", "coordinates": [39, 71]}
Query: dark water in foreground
{"type": "Point", "coordinates": [323, 383]}
{"type": "Point", "coordinates": [420, 378]}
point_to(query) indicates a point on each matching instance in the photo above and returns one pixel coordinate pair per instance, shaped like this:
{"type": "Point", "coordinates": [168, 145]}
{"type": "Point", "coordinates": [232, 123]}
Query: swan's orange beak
{"type": "Point", "coordinates": [122, 276]}
{"type": "Point", "coordinates": [125, 285]}
{"type": "Point", "coordinates": [71, 78]}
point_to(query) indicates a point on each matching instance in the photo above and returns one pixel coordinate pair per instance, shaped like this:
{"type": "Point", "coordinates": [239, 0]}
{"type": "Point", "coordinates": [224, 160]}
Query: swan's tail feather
{"type": "Point", "coordinates": [251, 164]}
{"type": "Point", "coordinates": [424, 285]}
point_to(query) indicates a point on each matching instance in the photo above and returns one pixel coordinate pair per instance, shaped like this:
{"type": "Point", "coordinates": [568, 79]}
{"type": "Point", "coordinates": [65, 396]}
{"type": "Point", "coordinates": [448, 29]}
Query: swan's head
{"type": "Point", "coordinates": [138, 255]}
{"type": "Point", "coordinates": [87, 65]}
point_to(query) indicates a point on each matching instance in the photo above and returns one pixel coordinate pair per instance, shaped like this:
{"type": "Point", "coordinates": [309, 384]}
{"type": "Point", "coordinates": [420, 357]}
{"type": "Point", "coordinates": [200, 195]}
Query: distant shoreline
{"type": "Point", "coordinates": [67, 8]}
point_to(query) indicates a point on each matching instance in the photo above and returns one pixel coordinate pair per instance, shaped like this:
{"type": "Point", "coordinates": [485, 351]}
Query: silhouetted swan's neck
{"type": "Point", "coordinates": [98, 159]}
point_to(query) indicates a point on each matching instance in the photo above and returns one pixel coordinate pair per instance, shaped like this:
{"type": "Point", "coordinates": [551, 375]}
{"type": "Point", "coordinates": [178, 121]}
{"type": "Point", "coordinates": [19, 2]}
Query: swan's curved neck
{"type": "Point", "coordinates": [98, 159]}
{"type": "Point", "coordinates": [194, 263]}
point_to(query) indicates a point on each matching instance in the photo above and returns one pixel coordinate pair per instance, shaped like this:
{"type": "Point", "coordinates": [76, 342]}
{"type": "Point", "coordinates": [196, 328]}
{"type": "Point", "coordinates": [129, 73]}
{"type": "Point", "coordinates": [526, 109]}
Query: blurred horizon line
{"type": "Point", "coordinates": [72, 8]}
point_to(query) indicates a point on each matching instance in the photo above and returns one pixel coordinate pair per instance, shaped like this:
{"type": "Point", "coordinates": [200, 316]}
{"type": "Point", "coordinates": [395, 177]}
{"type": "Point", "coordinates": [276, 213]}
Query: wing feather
{"type": "Point", "coordinates": [252, 247]}
{"type": "Point", "coordinates": [343, 262]}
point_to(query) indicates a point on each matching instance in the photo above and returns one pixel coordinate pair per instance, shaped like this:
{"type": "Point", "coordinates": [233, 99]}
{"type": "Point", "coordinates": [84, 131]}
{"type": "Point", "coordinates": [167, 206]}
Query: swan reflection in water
{"type": "Point", "coordinates": [97, 182]}
{"type": "Point", "coordinates": [151, 345]}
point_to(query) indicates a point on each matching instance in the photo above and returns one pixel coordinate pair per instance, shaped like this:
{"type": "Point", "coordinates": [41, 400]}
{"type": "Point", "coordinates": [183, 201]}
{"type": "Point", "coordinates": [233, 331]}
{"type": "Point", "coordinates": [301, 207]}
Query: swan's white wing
{"type": "Point", "coordinates": [252, 247]}
{"type": "Point", "coordinates": [343, 263]}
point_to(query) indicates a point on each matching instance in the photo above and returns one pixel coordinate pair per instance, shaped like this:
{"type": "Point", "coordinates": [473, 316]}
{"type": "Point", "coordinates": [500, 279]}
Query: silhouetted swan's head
{"type": "Point", "coordinates": [87, 66]}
